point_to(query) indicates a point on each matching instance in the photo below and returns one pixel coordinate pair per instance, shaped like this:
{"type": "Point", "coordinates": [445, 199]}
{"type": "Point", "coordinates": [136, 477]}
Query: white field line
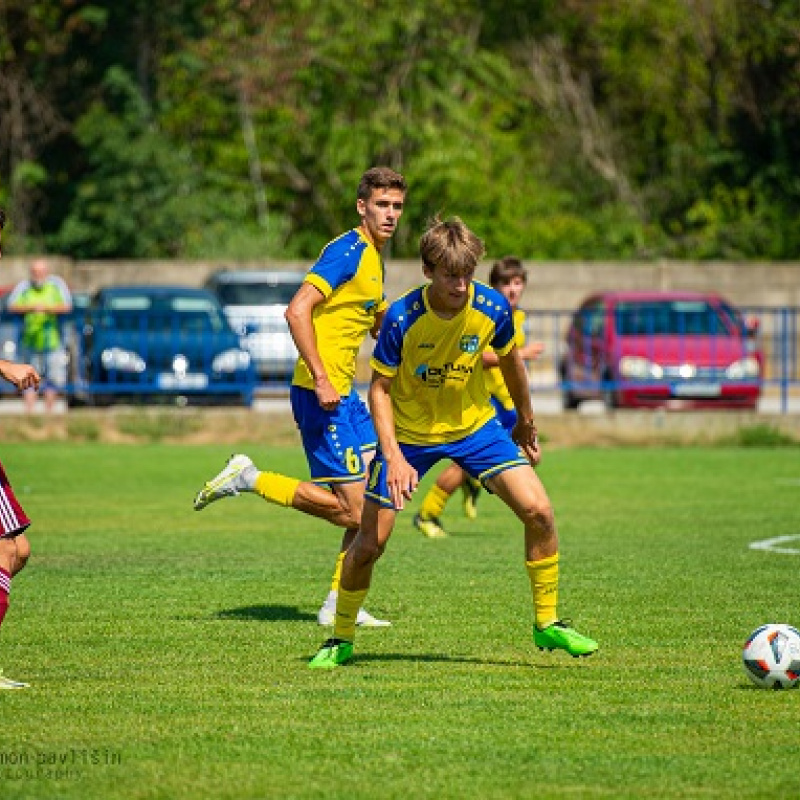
{"type": "Point", "coordinates": [772, 545]}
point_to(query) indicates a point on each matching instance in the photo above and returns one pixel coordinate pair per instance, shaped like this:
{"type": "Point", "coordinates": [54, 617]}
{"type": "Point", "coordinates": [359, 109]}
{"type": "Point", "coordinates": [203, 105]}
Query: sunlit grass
{"type": "Point", "coordinates": [167, 649]}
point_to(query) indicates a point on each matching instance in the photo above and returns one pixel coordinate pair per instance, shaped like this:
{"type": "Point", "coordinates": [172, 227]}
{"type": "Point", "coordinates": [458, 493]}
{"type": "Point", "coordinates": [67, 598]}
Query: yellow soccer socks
{"type": "Point", "coordinates": [544, 586]}
{"type": "Point", "coordinates": [434, 503]}
{"type": "Point", "coordinates": [347, 606]}
{"type": "Point", "coordinates": [276, 488]}
{"type": "Point", "coordinates": [337, 571]}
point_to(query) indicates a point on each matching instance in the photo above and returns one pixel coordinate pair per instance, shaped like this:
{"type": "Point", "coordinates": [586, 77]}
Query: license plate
{"type": "Point", "coordinates": [193, 380]}
{"type": "Point", "coordinates": [697, 390]}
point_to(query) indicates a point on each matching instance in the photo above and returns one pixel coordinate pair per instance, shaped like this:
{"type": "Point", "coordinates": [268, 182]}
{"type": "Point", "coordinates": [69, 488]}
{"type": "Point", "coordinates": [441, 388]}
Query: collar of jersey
{"type": "Point", "coordinates": [463, 311]}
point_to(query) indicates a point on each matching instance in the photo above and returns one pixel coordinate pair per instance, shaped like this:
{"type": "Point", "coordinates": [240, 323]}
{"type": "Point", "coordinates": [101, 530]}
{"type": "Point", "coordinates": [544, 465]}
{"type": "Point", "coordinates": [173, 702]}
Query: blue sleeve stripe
{"type": "Point", "coordinates": [491, 303]}
{"type": "Point", "coordinates": [339, 261]}
{"type": "Point", "coordinates": [402, 314]}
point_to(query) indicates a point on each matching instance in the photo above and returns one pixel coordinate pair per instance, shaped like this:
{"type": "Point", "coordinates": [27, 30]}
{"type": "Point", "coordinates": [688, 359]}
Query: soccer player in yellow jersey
{"type": "Point", "coordinates": [340, 302]}
{"type": "Point", "coordinates": [509, 277]}
{"type": "Point", "coordinates": [429, 402]}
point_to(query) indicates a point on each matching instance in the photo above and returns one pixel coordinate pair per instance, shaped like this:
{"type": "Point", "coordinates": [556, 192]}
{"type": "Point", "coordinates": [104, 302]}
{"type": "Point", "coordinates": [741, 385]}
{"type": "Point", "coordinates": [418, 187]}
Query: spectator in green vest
{"type": "Point", "coordinates": [42, 299]}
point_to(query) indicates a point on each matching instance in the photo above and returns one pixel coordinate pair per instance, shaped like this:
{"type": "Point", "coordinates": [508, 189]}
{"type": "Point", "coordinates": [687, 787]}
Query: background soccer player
{"type": "Point", "coordinates": [340, 302]}
{"type": "Point", "coordinates": [428, 403]}
{"type": "Point", "coordinates": [14, 546]}
{"type": "Point", "coordinates": [509, 277]}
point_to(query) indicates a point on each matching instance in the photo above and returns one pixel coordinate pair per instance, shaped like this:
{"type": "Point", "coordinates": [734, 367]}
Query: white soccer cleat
{"type": "Point", "coordinates": [7, 683]}
{"type": "Point", "coordinates": [237, 476]}
{"type": "Point", "coordinates": [366, 620]}
{"type": "Point", "coordinates": [327, 616]}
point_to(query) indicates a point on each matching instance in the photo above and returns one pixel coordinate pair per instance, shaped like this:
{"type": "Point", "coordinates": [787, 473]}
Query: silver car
{"type": "Point", "coordinates": [255, 302]}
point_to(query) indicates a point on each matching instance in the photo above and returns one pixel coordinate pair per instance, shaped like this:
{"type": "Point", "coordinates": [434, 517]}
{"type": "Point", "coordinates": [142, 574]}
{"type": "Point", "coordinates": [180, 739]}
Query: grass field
{"type": "Point", "coordinates": [167, 649]}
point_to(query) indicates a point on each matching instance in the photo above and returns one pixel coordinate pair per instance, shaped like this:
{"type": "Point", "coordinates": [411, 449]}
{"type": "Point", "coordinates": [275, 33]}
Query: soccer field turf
{"type": "Point", "coordinates": [167, 649]}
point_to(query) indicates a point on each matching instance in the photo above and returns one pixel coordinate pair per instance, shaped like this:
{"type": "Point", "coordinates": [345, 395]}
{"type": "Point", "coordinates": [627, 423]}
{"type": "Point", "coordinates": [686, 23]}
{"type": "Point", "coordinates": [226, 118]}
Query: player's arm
{"type": "Point", "coordinates": [531, 351]}
{"type": "Point", "coordinates": [300, 317]}
{"type": "Point", "coordinates": [376, 326]}
{"type": "Point", "coordinates": [516, 378]}
{"type": "Point", "coordinates": [23, 376]}
{"type": "Point", "coordinates": [401, 477]}
{"type": "Point", "coordinates": [528, 352]}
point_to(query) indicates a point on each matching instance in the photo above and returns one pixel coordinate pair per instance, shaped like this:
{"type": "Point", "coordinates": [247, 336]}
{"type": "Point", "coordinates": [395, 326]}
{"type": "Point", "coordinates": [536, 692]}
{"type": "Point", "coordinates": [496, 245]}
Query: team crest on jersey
{"type": "Point", "coordinates": [469, 344]}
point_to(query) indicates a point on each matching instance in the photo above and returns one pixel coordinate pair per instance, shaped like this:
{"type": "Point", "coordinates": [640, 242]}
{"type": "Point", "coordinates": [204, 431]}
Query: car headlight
{"type": "Point", "coordinates": [641, 369]}
{"type": "Point", "coordinates": [122, 360]}
{"type": "Point", "coordinates": [231, 361]}
{"type": "Point", "coordinates": [743, 368]}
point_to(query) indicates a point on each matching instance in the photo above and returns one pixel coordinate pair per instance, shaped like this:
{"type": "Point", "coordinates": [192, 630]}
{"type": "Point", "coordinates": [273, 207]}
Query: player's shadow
{"type": "Point", "coordinates": [267, 614]}
{"type": "Point", "coordinates": [365, 659]}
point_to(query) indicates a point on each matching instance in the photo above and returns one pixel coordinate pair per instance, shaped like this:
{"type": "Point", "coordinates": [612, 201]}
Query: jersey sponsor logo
{"type": "Point", "coordinates": [469, 344]}
{"type": "Point", "coordinates": [434, 377]}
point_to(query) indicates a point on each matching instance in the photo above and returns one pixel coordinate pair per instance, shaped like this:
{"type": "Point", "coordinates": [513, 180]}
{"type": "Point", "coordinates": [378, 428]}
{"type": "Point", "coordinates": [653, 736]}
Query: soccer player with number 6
{"type": "Point", "coordinates": [340, 302]}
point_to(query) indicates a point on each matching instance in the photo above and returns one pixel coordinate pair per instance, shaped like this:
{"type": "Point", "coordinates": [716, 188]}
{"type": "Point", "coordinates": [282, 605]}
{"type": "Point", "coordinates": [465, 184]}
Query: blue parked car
{"type": "Point", "coordinates": [162, 343]}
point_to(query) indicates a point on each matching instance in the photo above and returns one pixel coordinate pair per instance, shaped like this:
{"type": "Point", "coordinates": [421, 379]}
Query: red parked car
{"type": "Point", "coordinates": [661, 349]}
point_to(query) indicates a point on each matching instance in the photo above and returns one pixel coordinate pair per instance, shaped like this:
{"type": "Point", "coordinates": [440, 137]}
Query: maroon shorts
{"type": "Point", "coordinates": [13, 519]}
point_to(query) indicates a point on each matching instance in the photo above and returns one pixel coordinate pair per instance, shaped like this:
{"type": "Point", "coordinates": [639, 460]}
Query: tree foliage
{"type": "Point", "coordinates": [239, 128]}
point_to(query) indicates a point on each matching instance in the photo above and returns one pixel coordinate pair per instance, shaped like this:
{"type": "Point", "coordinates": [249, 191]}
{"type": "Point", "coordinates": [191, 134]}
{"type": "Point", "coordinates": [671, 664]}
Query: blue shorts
{"type": "Point", "coordinates": [50, 364]}
{"type": "Point", "coordinates": [334, 441]}
{"type": "Point", "coordinates": [507, 416]}
{"type": "Point", "coordinates": [483, 454]}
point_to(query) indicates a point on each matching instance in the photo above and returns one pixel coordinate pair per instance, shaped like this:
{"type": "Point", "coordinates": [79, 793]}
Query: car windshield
{"type": "Point", "coordinates": [669, 318]}
{"type": "Point", "coordinates": [258, 294]}
{"type": "Point", "coordinates": [185, 314]}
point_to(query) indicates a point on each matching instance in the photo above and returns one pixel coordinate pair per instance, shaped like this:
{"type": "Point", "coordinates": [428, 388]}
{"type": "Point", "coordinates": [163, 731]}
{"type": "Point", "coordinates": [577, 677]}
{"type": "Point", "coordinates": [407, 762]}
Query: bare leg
{"type": "Point", "coordinates": [451, 478]}
{"type": "Point", "coordinates": [522, 491]}
{"type": "Point", "coordinates": [342, 507]}
{"type": "Point", "coordinates": [8, 555]}
{"type": "Point", "coordinates": [30, 400]}
{"type": "Point", "coordinates": [377, 524]}
{"type": "Point", "coordinates": [49, 400]}
{"type": "Point", "coordinates": [23, 552]}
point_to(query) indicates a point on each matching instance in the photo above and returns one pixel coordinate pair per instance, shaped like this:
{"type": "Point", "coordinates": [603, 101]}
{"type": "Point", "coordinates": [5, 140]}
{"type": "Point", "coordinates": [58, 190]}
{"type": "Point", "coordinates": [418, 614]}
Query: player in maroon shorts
{"type": "Point", "coordinates": [14, 546]}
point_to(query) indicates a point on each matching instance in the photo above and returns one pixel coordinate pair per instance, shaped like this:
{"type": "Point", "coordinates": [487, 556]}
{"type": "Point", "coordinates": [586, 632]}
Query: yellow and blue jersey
{"type": "Point", "coordinates": [349, 273]}
{"type": "Point", "coordinates": [495, 383]}
{"type": "Point", "coordinates": [438, 390]}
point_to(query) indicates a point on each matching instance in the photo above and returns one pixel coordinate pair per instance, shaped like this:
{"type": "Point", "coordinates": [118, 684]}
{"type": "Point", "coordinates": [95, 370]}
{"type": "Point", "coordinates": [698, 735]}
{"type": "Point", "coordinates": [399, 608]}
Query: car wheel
{"type": "Point", "coordinates": [610, 396]}
{"type": "Point", "coordinates": [570, 402]}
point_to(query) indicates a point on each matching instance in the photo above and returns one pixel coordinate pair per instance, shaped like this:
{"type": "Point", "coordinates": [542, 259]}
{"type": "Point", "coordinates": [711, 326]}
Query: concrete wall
{"type": "Point", "coordinates": [551, 285]}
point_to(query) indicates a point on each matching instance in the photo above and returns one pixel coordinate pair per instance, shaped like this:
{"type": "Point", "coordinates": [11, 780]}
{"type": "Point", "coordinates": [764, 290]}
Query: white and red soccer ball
{"type": "Point", "coordinates": [771, 656]}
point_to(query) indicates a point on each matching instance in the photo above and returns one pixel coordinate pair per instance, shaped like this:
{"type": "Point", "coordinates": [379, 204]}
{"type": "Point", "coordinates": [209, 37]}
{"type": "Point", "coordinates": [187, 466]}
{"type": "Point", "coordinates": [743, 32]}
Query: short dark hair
{"type": "Point", "coordinates": [505, 269]}
{"type": "Point", "coordinates": [2, 219]}
{"type": "Point", "coordinates": [380, 178]}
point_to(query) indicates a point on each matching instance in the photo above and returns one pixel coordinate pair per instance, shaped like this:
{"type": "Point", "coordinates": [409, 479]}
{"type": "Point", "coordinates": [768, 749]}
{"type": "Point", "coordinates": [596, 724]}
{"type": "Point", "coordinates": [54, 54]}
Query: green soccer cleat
{"type": "Point", "coordinates": [430, 526]}
{"type": "Point", "coordinates": [237, 476]}
{"type": "Point", "coordinates": [559, 636]}
{"type": "Point", "coordinates": [471, 489]}
{"type": "Point", "coordinates": [332, 653]}
{"type": "Point", "coordinates": [7, 683]}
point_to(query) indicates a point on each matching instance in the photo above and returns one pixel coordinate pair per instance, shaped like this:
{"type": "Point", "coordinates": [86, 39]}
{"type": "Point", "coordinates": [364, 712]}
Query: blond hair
{"type": "Point", "coordinates": [451, 245]}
